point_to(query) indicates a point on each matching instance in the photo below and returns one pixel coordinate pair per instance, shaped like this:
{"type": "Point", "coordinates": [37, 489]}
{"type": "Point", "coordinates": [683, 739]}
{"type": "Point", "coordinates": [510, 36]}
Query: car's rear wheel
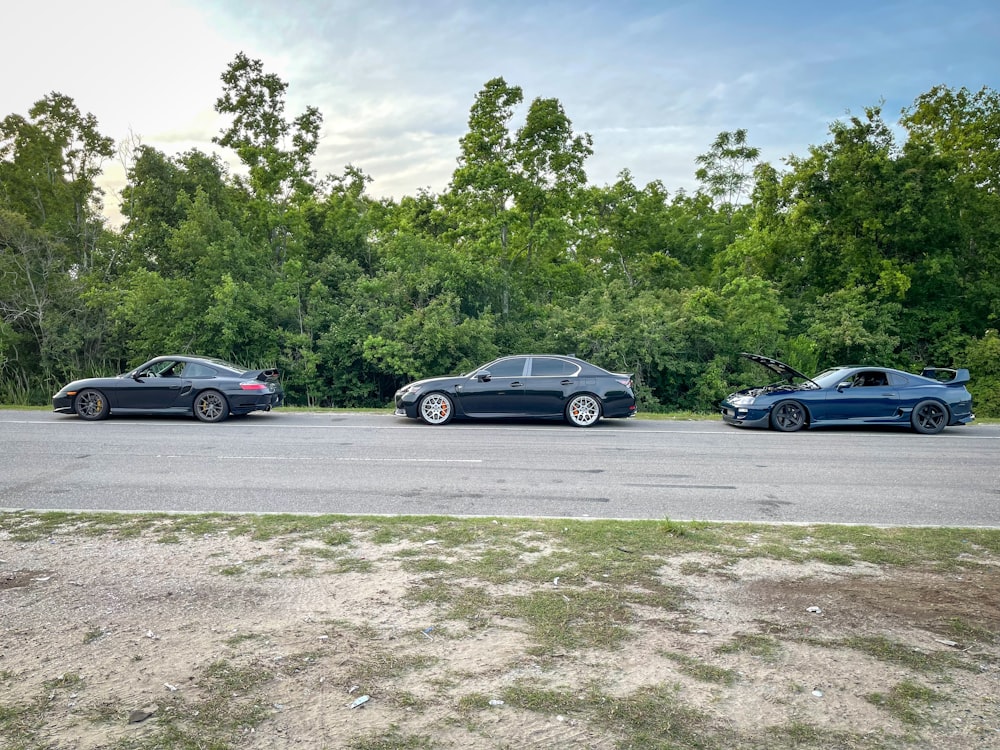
{"type": "Point", "coordinates": [211, 406]}
{"type": "Point", "coordinates": [91, 404]}
{"type": "Point", "coordinates": [583, 410]}
{"type": "Point", "coordinates": [788, 416]}
{"type": "Point", "coordinates": [435, 408]}
{"type": "Point", "coordinates": [929, 417]}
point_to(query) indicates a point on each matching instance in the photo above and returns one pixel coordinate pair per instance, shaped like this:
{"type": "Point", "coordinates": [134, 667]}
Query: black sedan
{"type": "Point", "coordinates": [858, 394]}
{"type": "Point", "coordinates": [209, 388]}
{"type": "Point", "coordinates": [542, 386]}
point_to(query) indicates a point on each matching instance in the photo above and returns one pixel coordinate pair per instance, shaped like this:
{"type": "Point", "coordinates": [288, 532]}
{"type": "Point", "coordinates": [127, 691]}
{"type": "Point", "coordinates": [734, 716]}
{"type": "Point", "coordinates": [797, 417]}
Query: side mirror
{"type": "Point", "coordinates": [483, 376]}
{"type": "Point", "coordinates": [843, 385]}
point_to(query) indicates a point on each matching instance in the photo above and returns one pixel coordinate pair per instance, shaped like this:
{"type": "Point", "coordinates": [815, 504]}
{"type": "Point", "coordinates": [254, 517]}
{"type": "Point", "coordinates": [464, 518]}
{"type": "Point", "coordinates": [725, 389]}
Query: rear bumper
{"type": "Point", "coordinates": [240, 404]}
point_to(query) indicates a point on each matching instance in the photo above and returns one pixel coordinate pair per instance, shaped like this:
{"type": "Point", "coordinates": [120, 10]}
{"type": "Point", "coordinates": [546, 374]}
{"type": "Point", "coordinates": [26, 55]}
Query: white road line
{"type": "Point", "coordinates": [333, 458]}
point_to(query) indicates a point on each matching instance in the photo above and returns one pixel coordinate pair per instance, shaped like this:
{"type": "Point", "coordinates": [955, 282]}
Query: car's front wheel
{"type": "Point", "coordinates": [435, 408]}
{"type": "Point", "coordinates": [211, 406]}
{"type": "Point", "coordinates": [583, 410]}
{"type": "Point", "coordinates": [91, 404]}
{"type": "Point", "coordinates": [788, 416]}
{"type": "Point", "coordinates": [929, 417]}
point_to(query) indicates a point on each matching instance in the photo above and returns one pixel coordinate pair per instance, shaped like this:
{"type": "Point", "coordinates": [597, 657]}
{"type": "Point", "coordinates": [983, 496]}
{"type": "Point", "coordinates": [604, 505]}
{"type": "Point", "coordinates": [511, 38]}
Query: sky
{"type": "Point", "coordinates": [653, 82]}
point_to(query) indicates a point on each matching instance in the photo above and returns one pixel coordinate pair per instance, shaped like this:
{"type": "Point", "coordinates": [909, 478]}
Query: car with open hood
{"type": "Point", "coordinates": [208, 388]}
{"type": "Point", "coordinates": [852, 395]}
{"type": "Point", "coordinates": [526, 386]}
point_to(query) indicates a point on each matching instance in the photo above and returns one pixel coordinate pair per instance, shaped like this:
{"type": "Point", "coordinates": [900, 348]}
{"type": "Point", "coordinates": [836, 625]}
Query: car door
{"type": "Point", "coordinates": [550, 381]}
{"type": "Point", "coordinates": [868, 395]}
{"type": "Point", "coordinates": [499, 393]}
{"type": "Point", "coordinates": [155, 387]}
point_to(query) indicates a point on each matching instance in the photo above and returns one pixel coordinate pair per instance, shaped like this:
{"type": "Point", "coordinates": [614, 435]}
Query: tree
{"type": "Point", "coordinates": [48, 168]}
{"type": "Point", "coordinates": [256, 100]}
{"type": "Point", "coordinates": [513, 199]}
{"type": "Point", "coordinates": [53, 244]}
{"type": "Point", "coordinates": [727, 170]}
{"type": "Point", "coordinates": [278, 176]}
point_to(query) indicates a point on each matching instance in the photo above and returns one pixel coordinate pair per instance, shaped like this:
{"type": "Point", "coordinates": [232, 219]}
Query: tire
{"type": "Point", "coordinates": [435, 409]}
{"type": "Point", "coordinates": [583, 410]}
{"type": "Point", "coordinates": [91, 404]}
{"type": "Point", "coordinates": [788, 416]}
{"type": "Point", "coordinates": [211, 406]}
{"type": "Point", "coordinates": [929, 417]}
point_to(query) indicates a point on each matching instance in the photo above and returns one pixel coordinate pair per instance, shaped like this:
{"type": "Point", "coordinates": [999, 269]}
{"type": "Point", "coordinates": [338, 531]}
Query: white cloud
{"type": "Point", "coordinates": [653, 81]}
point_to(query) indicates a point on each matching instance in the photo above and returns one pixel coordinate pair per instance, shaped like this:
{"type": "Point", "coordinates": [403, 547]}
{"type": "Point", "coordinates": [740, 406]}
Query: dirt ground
{"type": "Point", "coordinates": [114, 641]}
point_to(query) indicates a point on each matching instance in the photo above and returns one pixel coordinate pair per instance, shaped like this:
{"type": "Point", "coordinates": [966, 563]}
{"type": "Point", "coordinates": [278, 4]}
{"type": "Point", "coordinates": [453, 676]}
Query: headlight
{"type": "Point", "coordinates": [742, 401]}
{"type": "Point", "coordinates": [411, 388]}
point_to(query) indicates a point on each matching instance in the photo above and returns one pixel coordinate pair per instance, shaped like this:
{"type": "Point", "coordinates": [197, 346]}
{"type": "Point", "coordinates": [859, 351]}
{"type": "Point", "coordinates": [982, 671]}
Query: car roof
{"type": "Point", "coordinates": [566, 357]}
{"type": "Point", "coordinates": [198, 358]}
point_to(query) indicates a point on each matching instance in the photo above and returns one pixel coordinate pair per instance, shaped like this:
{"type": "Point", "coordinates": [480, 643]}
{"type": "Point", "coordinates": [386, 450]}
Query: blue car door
{"type": "Point", "coordinates": [869, 394]}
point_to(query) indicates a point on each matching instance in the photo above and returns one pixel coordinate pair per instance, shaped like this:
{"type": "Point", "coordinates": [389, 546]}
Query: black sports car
{"type": "Point", "coordinates": [209, 388]}
{"type": "Point", "coordinates": [543, 386]}
{"type": "Point", "coordinates": [852, 395]}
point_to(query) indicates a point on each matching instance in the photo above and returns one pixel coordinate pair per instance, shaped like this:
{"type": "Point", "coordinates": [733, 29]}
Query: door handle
{"type": "Point", "coordinates": [566, 382]}
{"type": "Point", "coordinates": [517, 384]}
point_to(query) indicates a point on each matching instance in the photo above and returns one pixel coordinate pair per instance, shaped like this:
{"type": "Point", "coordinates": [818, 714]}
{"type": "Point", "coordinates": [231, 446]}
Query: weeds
{"type": "Point", "coordinates": [907, 701]}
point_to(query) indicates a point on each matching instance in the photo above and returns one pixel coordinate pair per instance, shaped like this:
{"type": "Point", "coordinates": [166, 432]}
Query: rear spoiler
{"type": "Point", "coordinates": [264, 375]}
{"type": "Point", "coordinates": [946, 375]}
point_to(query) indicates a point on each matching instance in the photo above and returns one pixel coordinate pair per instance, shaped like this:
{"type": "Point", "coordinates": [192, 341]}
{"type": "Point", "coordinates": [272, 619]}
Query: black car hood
{"type": "Point", "coordinates": [446, 379]}
{"type": "Point", "coordinates": [784, 371]}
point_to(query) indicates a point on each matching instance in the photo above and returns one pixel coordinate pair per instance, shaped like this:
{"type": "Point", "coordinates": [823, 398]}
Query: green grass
{"type": "Point", "coordinates": [907, 701]}
{"type": "Point", "coordinates": [761, 646]}
{"type": "Point", "coordinates": [699, 670]}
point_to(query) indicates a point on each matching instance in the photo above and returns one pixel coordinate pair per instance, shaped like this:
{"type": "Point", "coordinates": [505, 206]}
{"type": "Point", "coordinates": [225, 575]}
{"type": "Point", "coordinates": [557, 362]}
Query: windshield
{"type": "Point", "coordinates": [831, 378]}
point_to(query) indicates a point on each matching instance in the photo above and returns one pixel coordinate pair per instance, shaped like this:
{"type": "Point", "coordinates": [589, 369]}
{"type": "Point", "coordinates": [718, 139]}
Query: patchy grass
{"type": "Point", "coordinates": [907, 701]}
{"type": "Point", "coordinates": [700, 670]}
{"type": "Point", "coordinates": [902, 654]}
{"type": "Point", "coordinates": [558, 589]}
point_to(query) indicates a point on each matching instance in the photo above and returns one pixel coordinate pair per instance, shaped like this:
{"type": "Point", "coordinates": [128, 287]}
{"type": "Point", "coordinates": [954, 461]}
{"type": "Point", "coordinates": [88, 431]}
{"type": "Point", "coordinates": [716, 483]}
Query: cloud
{"type": "Point", "coordinates": [654, 81]}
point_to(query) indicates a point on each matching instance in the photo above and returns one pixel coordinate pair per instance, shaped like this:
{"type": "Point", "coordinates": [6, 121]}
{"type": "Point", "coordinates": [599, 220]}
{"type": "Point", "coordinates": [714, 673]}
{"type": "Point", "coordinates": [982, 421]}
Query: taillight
{"type": "Point", "coordinates": [253, 385]}
{"type": "Point", "coordinates": [627, 382]}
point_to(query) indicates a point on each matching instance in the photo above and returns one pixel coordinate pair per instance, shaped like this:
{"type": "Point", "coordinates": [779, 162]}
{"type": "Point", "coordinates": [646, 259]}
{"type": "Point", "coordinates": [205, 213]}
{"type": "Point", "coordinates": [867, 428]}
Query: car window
{"type": "Point", "coordinates": [542, 366]}
{"type": "Point", "coordinates": [507, 368]}
{"type": "Point", "coordinates": [197, 370]}
{"type": "Point", "coordinates": [165, 369]}
{"type": "Point", "coordinates": [870, 378]}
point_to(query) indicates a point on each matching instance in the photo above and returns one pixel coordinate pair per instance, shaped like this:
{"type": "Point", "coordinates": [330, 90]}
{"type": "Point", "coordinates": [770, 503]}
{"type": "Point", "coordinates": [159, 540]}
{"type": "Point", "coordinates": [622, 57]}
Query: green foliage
{"type": "Point", "coordinates": [881, 245]}
{"type": "Point", "coordinates": [982, 358]}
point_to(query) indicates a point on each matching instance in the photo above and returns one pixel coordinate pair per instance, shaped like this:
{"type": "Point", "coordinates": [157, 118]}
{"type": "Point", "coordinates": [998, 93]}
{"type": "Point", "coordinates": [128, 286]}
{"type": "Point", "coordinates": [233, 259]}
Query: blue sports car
{"type": "Point", "coordinates": [852, 395]}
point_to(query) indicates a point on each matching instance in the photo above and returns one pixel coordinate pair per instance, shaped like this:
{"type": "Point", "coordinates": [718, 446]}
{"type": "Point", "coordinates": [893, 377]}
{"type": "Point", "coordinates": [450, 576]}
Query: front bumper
{"type": "Point", "coordinates": [406, 405]}
{"type": "Point", "coordinates": [63, 404]}
{"type": "Point", "coordinates": [745, 416]}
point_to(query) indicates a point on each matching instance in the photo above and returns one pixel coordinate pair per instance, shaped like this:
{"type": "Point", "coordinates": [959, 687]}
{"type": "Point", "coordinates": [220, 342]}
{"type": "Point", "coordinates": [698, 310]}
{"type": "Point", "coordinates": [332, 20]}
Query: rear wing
{"type": "Point", "coordinates": [946, 375]}
{"type": "Point", "coordinates": [268, 376]}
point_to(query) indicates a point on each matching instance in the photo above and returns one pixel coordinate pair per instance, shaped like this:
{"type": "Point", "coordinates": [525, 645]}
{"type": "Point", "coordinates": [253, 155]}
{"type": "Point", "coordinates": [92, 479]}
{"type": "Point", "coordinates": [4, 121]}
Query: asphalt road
{"type": "Point", "coordinates": [380, 464]}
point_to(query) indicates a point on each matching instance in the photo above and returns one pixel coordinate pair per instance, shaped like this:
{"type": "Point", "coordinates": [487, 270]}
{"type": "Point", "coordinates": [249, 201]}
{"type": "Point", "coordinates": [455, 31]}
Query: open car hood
{"type": "Point", "coordinates": [784, 371]}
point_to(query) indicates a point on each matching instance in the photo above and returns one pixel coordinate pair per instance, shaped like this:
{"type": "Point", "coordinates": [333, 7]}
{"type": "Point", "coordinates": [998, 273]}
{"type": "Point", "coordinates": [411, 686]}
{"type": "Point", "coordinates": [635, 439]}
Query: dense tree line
{"type": "Point", "coordinates": [881, 245]}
